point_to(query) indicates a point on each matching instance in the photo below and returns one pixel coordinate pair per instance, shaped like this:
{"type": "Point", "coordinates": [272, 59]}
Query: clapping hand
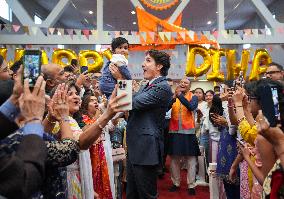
{"type": "Point", "coordinates": [59, 107]}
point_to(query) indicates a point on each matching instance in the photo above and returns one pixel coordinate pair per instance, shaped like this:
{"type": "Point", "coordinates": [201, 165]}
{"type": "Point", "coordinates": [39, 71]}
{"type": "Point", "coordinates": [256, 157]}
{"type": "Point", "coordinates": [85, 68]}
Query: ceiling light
{"type": "Point", "coordinates": [133, 12]}
{"type": "Point", "coordinates": [91, 12]}
{"type": "Point", "coordinates": [134, 23]}
{"type": "Point", "coordinates": [217, 12]}
{"type": "Point", "coordinates": [209, 22]}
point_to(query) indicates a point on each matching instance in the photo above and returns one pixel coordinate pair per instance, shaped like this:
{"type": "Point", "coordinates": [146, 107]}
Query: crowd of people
{"type": "Point", "coordinates": [69, 136]}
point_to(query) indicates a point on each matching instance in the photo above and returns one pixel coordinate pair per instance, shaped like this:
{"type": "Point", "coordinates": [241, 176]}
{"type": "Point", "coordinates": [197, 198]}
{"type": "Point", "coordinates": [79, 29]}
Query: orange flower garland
{"type": "Point", "coordinates": [160, 4]}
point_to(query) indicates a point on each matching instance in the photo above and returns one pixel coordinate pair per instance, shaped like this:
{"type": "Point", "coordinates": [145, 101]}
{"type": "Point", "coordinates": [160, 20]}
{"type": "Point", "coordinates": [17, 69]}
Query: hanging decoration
{"type": "Point", "coordinates": [260, 63]}
{"type": "Point", "coordinates": [233, 68]}
{"type": "Point", "coordinates": [60, 54]}
{"type": "Point", "coordinates": [84, 60]}
{"type": "Point", "coordinates": [159, 4]}
{"type": "Point", "coordinates": [191, 68]}
{"type": "Point", "coordinates": [216, 75]}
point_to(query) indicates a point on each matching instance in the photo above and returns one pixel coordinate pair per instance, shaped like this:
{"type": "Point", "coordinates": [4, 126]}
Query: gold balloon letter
{"type": "Point", "coordinates": [107, 53]}
{"type": "Point", "coordinates": [59, 54]}
{"type": "Point", "coordinates": [233, 68]}
{"type": "Point", "coordinates": [86, 55]}
{"type": "Point", "coordinates": [19, 52]}
{"type": "Point", "coordinates": [44, 57]}
{"type": "Point", "coordinates": [260, 62]}
{"type": "Point", "coordinates": [3, 52]}
{"type": "Point", "coordinates": [191, 69]}
{"type": "Point", "coordinates": [215, 75]}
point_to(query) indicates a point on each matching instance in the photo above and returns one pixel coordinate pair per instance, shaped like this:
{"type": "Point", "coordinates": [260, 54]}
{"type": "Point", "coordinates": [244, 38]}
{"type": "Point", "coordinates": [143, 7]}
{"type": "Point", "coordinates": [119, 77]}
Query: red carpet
{"type": "Point", "coordinates": [202, 192]}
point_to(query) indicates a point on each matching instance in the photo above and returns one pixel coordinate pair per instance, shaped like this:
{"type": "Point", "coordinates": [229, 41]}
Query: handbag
{"type": "Point", "coordinates": [118, 154]}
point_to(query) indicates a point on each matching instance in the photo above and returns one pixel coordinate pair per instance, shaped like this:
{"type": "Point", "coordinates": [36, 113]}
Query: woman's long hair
{"type": "Point", "coordinates": [216, 108]}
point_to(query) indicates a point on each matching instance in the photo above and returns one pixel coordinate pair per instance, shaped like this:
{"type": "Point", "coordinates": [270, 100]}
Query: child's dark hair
{"type": "Point", "coordinates": [116, 42]}
{"type": "Point", "coordinates": [162, 58]}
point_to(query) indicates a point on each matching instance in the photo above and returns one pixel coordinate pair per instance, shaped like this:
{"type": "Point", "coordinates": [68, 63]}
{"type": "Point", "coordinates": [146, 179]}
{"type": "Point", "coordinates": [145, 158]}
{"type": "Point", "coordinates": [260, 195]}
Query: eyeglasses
{"type": "Point", "coordinates": [272, 72]}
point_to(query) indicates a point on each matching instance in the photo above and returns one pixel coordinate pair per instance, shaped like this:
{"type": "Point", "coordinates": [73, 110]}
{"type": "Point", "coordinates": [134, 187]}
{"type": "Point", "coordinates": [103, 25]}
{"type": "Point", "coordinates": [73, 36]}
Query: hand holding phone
{"type": "Point", "coordinates": [241, 142]}
{"type": "Point", "coordinates": [125, 87]}
{"type": "Point", "coordinates": [32, 66]}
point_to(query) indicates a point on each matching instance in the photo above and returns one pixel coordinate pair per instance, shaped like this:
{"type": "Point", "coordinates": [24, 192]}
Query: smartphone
{"type": "Point", "coordinates": [270, 104]}
{"type": "Point", "coordinates": [84, 69]}
{"type": "Point", "coordinates": [125, 86]}
{"type": "Point", "coordinates": [241, 142]}
{"type": "Point", "coordinates": [240, 81]}
{"type": "Point", "coordinates": [32, 66]}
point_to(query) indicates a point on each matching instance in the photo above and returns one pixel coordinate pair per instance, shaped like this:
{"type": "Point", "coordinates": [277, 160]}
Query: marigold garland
{"type": "Point", "coordinates": [160, 4]}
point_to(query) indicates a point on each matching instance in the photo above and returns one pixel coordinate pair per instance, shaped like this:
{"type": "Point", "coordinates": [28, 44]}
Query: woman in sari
{"type": "Point", "coordinates": [80, 182]}
{"type": "Point", "coordinates": [100, 151]}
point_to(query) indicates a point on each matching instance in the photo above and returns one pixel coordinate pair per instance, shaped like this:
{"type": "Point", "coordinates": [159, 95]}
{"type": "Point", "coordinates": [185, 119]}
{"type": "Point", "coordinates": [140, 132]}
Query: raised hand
{"type": "Point", "coordinates": [18, 87]}
{"type": "Point", "coordinates": [114, 106]}
{"type": "Point", "coordinates": [32, 104]}
{"type": "Point", "coordinates": [60, 102]}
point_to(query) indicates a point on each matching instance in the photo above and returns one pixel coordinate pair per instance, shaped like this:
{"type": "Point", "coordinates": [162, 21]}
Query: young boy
{"type": "Point", "coordinates": [119, 48]}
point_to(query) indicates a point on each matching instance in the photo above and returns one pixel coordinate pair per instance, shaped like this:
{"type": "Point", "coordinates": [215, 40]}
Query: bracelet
{"type": "Point", "coordinates": [33, 119]}
{"type": "Point", "coordinates": [241, 119]}
{"type": "Point", "coordinates": [49, 120]}
{"type": "Point", "coordinates": [64, 119]}
{"type": "Point", "coordinates": [239, 106]}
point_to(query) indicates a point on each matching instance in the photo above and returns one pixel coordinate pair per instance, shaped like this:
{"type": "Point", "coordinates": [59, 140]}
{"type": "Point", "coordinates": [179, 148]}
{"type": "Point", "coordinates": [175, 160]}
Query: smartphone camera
{"type": "Point", "coordinates": [122, 85]}
{"type": "Point", "coordinates": [32, 66]}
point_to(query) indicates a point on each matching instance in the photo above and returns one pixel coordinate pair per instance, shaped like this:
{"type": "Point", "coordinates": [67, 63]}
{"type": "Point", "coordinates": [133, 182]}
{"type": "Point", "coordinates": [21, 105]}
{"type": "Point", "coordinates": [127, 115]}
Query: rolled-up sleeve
{"type": "Point", "coordinates": [9, 110]}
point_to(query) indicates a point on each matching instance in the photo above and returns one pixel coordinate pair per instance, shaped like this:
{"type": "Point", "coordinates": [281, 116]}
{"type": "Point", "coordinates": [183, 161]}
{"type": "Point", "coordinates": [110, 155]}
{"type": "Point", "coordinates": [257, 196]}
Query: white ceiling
{"type": "Point", "coordinates": [117, 14]}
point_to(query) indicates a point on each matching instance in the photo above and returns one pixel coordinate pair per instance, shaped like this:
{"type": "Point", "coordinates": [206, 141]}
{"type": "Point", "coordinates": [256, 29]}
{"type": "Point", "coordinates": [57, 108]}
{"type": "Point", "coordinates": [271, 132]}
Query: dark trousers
{"type": "Point", "coordinates": [166, 142]}
{"type": "Point", "coordinates": [232, 190]}
{"type": "Point", "coordinates": [141, 181]}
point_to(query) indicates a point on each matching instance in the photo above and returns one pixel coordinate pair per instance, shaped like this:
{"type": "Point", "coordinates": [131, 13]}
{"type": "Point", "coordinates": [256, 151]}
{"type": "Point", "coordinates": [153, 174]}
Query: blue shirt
{"type": "Point", "coordinates": [10, 111]}
{"type": "Point", "coordinates": [107, 82]}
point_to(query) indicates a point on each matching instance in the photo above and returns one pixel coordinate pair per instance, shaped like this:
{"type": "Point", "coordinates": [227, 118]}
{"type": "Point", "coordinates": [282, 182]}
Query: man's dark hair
{"type": "Point", "coordinates": [1, 60]}
{"type": "Point", "coordinates": [277, 65]}
{"type": "Point", "coordinates": [68, 68]}
{"type": "Point", "coordinates": [6, 90]}
{"type": "Point", "coordinates": [74, 62]}
{"type": "Point", "coordinates": [116, 42]}
{"type": "Point", "coordinates": [229, 83]}
{"type": "Point", "coordinates": [169, 79]}
{"type": "Point", "coordinates": [15, 67]}
{"type": "Point", "coordinates": [162, 58]}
